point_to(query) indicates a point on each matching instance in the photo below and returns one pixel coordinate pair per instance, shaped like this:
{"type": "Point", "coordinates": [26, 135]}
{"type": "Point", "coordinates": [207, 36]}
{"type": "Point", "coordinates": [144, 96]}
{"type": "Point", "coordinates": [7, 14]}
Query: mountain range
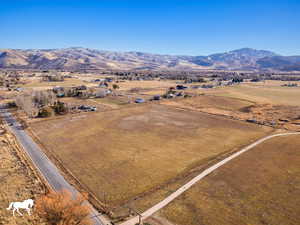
{"type": "Point", "coordinates": [84, 58]}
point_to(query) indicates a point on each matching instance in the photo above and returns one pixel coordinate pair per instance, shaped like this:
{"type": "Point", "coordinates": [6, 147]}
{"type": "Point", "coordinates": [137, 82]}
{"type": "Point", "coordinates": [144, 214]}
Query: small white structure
{"type": "Point", "coordinates": [27, 205]}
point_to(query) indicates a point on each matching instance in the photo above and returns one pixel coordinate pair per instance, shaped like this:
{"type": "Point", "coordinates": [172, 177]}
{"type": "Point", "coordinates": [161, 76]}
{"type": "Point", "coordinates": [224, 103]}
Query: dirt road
{"type": "Point", "coordinates": [185, 187]}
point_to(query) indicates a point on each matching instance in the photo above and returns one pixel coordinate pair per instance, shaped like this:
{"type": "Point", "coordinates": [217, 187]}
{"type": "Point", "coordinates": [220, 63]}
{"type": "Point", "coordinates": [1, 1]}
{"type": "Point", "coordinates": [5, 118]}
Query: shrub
{"type": "Point", "coordinates": [237, 80]}
{"type": "Point", "coordinates": [45, 112]}
{"type": "Point", "coordinates": [60, 108]}
{"type": "Point", "coordinates": [60, 208]}
{"type": "Point", "coordinates": [23, 123]}
{"type": "Point", "coordinates": [11, 104]}
{"type": "Point", "coordinates": [115, 86]}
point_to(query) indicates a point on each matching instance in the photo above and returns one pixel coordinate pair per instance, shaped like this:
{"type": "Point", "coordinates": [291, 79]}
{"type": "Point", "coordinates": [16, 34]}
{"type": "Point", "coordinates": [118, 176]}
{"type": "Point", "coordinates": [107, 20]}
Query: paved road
{"type": "Point", "coordinates": [47, 169]}
{"type": "Point", "coordinates": [185, 187]}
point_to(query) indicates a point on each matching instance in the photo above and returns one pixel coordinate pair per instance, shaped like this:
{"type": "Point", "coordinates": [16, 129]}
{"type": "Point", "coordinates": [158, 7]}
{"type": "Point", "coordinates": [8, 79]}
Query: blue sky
{"type": "Point", "coordinates": [190, 27]}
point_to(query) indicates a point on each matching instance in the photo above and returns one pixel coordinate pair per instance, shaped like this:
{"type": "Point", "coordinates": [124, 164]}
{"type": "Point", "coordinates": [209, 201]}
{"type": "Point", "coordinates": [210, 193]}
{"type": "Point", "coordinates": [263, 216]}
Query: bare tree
{"type": "Point", "coordinates": [25, 102]}
{"type": "Point", "coordinates": [32, 101]}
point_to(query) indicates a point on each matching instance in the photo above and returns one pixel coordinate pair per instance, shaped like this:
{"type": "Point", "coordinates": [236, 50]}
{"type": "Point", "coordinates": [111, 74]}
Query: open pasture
{"type": "Point", "coordinates": [208, 102]}
{"type": "Point", "coordinates": [36, 83]}
{"type": "Point", "coordinates": [259, 187]}
{"type": "Point", "coordinates": [261, 92]}
{"type": "Point", "coordinates": [125, 153]}
{"type": "Point", "coordinates": [145, 84]}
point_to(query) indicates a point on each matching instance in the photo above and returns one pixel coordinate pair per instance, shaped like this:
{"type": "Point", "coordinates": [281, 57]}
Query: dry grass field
{"type": "Point", "coordinates": [102, 104]}
{"type": "Point", "coordinates": [207, 102]}
{"type": "Point", "coordinates": [279, 116]}
{"type": "Point", "coordinates": [17, 183]}
{"type": "Point", "coordinates": [260, 92]}
{"type": "Point", "coordinates": [36, 83]}
{"type": "Point", "coordinates": [155, 91]}
{"type": "Point", "coordinates": [113, 102]}
{"type": "Point", "coordinates": [259, 187]}
{"type": "Point", "coordinates": [151, 84]}
{"type": "Point", "coordinates": [125, 153]}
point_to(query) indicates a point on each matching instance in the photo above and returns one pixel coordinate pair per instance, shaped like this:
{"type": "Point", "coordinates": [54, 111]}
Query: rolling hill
{"type": "Point", "coordinates": [85, 58]}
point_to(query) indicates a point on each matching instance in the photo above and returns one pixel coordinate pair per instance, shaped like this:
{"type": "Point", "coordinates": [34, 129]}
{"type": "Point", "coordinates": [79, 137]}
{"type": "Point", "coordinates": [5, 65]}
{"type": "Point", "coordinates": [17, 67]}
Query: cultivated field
{"type": "Point", "coordinates": [124, 154]}
{"type": "Point", "coordinates": [259, 187]}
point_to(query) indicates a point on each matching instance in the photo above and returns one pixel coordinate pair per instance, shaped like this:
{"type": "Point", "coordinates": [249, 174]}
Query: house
{"type": "Point", "coordinates": [251, 120]}
{"type": "Point", "coordinates": [53, 78]}
{"type": "Point", "coordinates": [102, 92]}
{"type": "Point", "coordinates": [179, 94]}
{"type": "Point", "coordinates": [290, 85]}
{"type": "Point", "coordinates": [139, 100]}
{"type": "Point", "coordinates": [81, 88]}
{"type": "Point", "coordinates": [207, 86]}
{"type": "Point", "coordinates": [60, 94]}
{"type": "Point", "coordinates": [170, 95]}
{"type": "Point", "coordinates": [98, 80]}
{"type": "Point", "coordinates": [181, 87]}
{"type": "Point", "coordinates": [109, 79]}
{"type": "Point", "coordinates": [87, 108]}
{"type": "Point", "coordinates": [103, 84]}
{"type": "Point", "coordinates": [19, 89]}
{"type": "Point", "coordinates": [156, 97]}
{"type": "Point", "coordinates": [59, 91]}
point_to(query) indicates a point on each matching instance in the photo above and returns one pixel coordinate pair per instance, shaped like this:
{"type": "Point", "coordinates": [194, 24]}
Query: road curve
{"type": "Point", "coordinates": [185, 187]}
{"type": "Point", "coordinates": [43, 164]}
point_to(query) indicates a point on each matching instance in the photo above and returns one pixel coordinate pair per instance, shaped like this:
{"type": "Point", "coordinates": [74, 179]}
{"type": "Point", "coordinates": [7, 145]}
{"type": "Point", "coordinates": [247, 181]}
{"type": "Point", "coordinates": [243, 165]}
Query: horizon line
{"type": "Point", "coordinates": [136, 51]}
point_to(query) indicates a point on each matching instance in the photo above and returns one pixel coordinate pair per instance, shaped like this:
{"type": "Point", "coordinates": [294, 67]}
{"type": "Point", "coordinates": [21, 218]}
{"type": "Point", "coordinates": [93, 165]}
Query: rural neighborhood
{"type": "Point", "coordinates": [161, 116]}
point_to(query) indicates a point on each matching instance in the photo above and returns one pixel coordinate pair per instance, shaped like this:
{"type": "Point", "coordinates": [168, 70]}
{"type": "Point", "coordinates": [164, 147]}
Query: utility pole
{"type": "Point", "coordinates": [139, 215]}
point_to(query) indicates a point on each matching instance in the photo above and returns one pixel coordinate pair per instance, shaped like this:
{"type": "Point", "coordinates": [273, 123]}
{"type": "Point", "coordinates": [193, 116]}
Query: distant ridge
{"type": "Point", "coordinates": [84, 58]}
